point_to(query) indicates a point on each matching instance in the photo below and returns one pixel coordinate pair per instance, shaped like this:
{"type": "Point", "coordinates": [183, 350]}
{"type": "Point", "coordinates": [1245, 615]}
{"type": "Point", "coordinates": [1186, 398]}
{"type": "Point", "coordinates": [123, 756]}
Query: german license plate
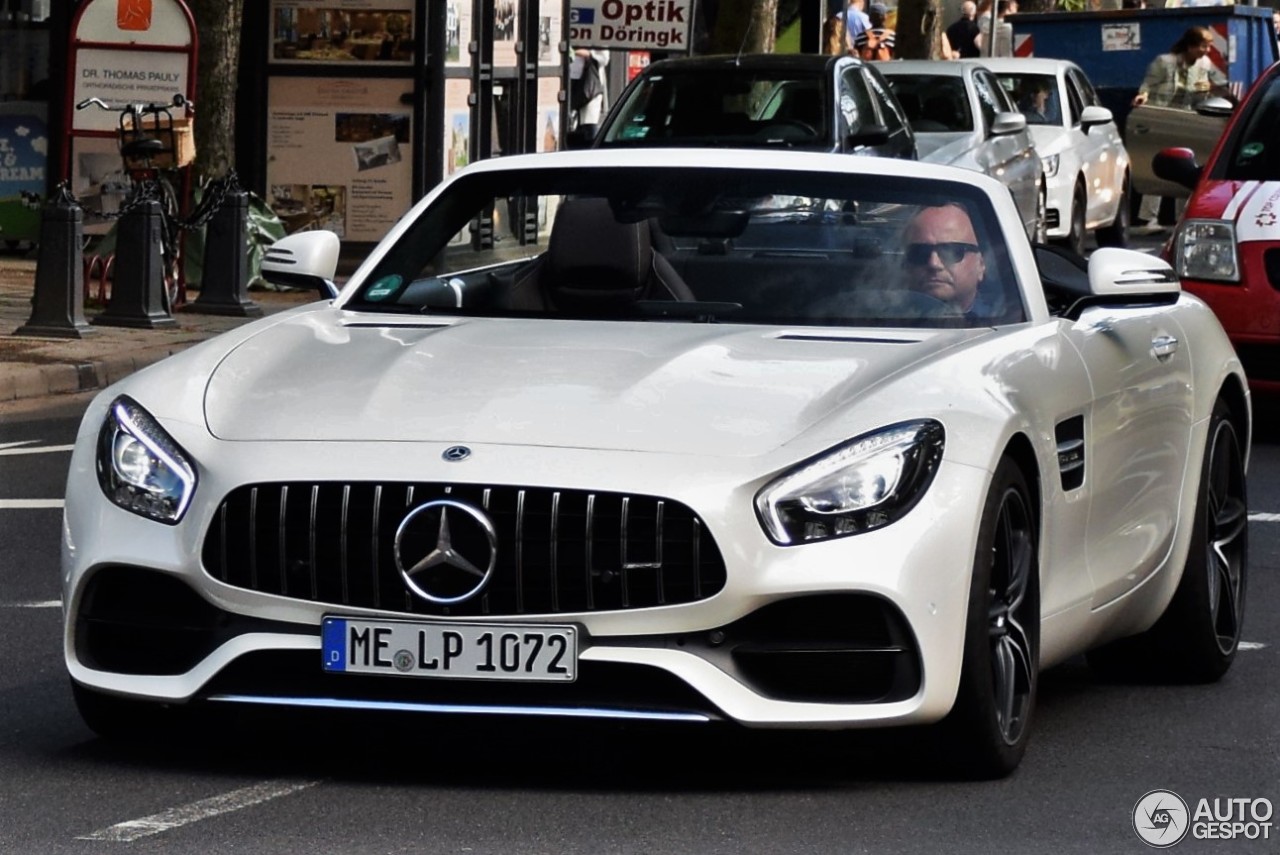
{"type": "Point", "coordinates": [467, 651]}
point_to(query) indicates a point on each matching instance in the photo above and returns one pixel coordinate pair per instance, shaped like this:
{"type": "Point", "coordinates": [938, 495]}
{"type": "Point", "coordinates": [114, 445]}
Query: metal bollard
{"type": "Point", "coordinates": [57, 307]}
{"type": "Point", "coordinates": [137, 294]}
{"type": "Point", "coordinates": [224, 284]}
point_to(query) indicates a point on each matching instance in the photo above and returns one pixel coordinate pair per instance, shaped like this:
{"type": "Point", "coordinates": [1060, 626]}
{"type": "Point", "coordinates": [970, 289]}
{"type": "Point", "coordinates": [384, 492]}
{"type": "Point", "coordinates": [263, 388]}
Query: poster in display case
{"type": "Point", "coordinates": [342, 31]}
{"type": "Point", "coordinates": [338, 154]}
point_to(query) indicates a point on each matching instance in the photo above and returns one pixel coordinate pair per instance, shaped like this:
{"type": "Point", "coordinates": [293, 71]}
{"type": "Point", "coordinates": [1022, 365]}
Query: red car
{"type": "Point", "coordinates": [1226, 248]}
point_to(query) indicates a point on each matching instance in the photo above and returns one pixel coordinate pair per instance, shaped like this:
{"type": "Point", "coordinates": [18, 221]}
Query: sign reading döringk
{"type": "Point", "coordinates": [631, 24]}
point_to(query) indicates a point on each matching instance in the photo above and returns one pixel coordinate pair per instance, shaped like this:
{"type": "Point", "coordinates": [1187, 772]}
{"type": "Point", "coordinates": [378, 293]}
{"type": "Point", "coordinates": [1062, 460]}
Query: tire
{"type": "Point", "coordinates": [1117, 234]}
{"type": "Point", "coordinates": [1196, 639]}
{"type": "Point", "coordinates": [1074, 240]}
{"type": "Point", "coordinates": [987, 730]}
{"type": "Point", "coordinates": [116, 718]}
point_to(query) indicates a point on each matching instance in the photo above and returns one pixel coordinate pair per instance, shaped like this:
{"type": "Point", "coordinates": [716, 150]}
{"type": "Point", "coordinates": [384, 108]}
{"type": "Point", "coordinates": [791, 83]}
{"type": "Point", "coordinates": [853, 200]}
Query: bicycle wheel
{"type": "Point", "coordinates": [171, 242]}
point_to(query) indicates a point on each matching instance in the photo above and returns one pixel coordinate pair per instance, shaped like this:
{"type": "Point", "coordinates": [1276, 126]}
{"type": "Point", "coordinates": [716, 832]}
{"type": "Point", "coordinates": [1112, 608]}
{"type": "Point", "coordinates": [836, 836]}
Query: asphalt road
{"type": "Point", "coordinates": [271, 784]}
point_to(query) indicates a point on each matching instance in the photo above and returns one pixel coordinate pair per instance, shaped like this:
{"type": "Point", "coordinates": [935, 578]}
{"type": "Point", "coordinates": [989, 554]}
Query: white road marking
{"type": "Point", "coordinates": [134, 829]}
{"type": "Point", "coordinates": [1251, 645]}
{"type": "Point", "coordinates": [1264, 517]}
{"type": "Point", "coordinates": [38, 604]}
{"type": "Point", "coordinates": [10, 448]}
{"type": "Point", "coordinates": [28, 504]}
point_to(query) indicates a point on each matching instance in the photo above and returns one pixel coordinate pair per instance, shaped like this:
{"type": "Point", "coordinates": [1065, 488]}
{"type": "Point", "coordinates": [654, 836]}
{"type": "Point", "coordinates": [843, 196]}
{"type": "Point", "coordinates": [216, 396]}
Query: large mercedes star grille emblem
{"type": "Point", "coordinates": [446, 551]}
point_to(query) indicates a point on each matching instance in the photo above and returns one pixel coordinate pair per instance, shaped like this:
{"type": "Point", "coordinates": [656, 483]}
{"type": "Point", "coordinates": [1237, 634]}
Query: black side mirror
{"type": "Point", "coordinates": [1179, 166]}
{"type": "Point", "coordinates": [868, 135]}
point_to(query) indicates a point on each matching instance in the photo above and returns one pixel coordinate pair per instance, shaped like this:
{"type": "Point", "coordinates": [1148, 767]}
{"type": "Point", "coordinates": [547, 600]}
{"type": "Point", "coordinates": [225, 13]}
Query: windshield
{"type": "Point", "coordinates": [735, 106]}
{"type": "Point", "coordinates": [933, 103]}
{"type": "Point", "coordinates": [680, 244]}
{"type": "Point", "coordinates": [1036, 96]}
{"type": "Point", "coordinates": [1255, 151]}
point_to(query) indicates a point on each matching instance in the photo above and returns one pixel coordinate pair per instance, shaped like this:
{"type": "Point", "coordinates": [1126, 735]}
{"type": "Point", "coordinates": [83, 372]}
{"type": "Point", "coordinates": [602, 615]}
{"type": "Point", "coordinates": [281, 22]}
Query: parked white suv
{"type": "Point", "coordinates": [1085, 162]}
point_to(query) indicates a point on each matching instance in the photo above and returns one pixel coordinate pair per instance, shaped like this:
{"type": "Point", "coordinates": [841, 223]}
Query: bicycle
{"type": "Point", "coordinates": [151, 149]}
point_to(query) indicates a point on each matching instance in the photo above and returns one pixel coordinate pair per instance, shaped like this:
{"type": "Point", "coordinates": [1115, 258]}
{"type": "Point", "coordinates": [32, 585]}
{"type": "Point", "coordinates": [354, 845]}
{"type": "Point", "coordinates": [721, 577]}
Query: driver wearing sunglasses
{"type": "Point", "coordinates": [941, 256]}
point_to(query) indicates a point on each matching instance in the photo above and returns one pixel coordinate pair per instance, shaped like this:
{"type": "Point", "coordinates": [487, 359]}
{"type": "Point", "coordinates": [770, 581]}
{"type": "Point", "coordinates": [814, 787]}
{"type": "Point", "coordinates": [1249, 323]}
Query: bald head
{"type": "Point", "coordinates": [941, 256]}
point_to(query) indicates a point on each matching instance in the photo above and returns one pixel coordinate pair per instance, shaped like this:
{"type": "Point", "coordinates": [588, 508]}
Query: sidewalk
{"type": "Point", "coordinates": [34, 367]}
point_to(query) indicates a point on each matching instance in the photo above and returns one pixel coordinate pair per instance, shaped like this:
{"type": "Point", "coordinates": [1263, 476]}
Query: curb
{"type": "Point", "coordinates": [38, 381]}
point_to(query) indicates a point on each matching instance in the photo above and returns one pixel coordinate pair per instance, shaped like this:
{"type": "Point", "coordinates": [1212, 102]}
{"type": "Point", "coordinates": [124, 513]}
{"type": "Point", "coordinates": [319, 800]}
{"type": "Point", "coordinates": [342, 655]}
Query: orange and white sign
{"type": "Point", "coordinates": [129, 51]}
{"type": "Point", "coordinates": [142, 23]}
{"type": "Point", "coordinates": [133, 15]}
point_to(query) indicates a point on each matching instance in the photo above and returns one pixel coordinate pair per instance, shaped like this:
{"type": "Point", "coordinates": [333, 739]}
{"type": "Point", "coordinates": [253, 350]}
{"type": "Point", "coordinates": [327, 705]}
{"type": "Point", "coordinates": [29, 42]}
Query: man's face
{"type": "Point", "coordinates": [969, 9]}
{"type": "Point", "coordinates": [942, 257]}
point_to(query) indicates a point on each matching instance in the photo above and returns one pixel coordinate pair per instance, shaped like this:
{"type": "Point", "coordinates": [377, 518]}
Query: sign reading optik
{"type": "Point", "coordinates": [631, 24]}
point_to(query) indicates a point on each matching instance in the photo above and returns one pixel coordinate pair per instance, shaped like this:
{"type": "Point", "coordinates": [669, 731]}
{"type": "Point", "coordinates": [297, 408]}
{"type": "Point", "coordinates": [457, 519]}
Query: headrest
{"type": "Point", "coordinates": [592, 257]}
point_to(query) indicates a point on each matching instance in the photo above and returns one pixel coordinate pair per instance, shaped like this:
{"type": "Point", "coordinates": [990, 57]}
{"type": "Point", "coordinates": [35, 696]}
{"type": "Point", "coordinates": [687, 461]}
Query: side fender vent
{"type": "Point", "coordinates": [1070, 437]}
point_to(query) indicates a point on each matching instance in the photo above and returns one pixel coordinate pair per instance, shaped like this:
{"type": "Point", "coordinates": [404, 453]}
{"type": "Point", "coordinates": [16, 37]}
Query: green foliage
{"type": "Point", "coordinates": [264, 229]}
{"type": "Point", "coordinates": [788, 38]}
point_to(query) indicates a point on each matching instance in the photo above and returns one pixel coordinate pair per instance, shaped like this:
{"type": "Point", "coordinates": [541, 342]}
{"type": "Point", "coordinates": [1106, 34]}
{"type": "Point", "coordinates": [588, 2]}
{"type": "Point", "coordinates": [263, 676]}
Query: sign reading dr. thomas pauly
{"type": "Point", "coordinates": [630, 24]}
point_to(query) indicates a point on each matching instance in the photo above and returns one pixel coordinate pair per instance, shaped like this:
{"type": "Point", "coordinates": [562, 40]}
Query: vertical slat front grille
{"type": "Point", "coordinates": [558, 551]}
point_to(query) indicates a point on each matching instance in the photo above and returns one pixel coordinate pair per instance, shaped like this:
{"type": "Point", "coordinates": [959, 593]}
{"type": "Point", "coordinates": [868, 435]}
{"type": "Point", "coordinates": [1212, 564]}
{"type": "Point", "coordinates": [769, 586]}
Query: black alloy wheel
{"type": "Point", "coordinates": [989, 726]}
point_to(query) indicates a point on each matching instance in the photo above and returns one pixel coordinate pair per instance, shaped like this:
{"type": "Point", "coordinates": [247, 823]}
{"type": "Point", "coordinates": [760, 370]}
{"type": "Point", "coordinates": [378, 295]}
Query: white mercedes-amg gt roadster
{"type": "Point", "coordinates": [782, 439]}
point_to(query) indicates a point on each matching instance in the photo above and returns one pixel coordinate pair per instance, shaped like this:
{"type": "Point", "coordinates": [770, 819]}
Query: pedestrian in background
{"type": "Point", "coordinates": [833, 37]}
{"type": "Point", "coordinates": [961, 35]}
{"type": "Point", "coordinates": [586, 118]}
{"type": "Point", "coordinates": [1003, 43]}
{"type": "Point", "coordinates": [1179, 79]}
{"type": "Point", "coordinates": [875, 42]}
{"type": "Point", "coordinates": [1184, 76]}
{"type": "Point", "coordinates": [855, 22]}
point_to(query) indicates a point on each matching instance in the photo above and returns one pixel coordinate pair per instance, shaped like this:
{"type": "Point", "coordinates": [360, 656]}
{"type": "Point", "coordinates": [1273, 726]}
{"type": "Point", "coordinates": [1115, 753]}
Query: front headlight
{"type": "Point", "coordinates": [861, 485]}
{"type": "Point", "coordinates": [1050, 164]}
{"type": "Point", "coordinates": [1206, 249]}
{"type": "Point", "coordinates": [140, 467]}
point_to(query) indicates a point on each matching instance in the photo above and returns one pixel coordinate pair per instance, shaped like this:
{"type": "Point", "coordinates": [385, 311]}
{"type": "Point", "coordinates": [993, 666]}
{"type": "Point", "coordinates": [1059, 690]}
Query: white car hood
{"type": "Point", "coordinates": [944, 148]}
{"type": "Point", "coordinates": [1048, 139]}
{"type": "Point", "coordinates": [677, 388]}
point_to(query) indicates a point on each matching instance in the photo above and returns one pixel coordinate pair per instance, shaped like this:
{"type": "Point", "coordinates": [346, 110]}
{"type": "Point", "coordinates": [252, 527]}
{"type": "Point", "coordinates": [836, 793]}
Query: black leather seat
{"type": "Point", "coordinates": [595, 265]}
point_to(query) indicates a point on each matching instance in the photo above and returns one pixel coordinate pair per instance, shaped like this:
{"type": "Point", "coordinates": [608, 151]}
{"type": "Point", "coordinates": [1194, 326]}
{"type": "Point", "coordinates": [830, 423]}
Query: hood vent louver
{"type": "Point", "coordinates": [1070, 438]}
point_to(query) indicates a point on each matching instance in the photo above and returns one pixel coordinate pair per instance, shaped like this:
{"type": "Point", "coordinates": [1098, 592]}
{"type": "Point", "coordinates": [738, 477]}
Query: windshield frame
{"type": "Point", "coordinates": [407, 261]}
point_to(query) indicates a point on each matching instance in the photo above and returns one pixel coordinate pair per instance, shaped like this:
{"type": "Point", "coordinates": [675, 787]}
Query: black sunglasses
{"type": "Point", "coordinates": [951, 252]}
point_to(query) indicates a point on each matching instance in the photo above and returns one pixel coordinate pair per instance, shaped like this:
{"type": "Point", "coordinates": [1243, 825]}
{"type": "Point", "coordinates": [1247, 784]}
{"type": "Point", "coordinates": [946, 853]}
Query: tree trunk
{"type": "Point", "coordinates": [218, 25]}
{"type": "Point", "coordinates": [919, 31]}
{"type": "Point", "coordinates": [745, 26]}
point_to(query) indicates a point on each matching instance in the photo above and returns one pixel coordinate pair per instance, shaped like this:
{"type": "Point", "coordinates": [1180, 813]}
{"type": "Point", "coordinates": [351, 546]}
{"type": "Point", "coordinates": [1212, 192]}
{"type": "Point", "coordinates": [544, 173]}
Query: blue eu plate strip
{"type": "Point", "coordinates": [334, 642]}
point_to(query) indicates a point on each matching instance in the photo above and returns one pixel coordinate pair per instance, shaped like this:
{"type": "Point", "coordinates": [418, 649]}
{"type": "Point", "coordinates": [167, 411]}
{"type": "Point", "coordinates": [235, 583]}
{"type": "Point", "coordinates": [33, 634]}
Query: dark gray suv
{"type": "Point", "coordinates": [818, 103]}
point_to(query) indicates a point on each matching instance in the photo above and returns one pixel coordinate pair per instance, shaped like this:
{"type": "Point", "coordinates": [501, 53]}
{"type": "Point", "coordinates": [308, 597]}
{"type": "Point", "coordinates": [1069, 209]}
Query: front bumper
{"type": "Point", "coordinates": [860, 631]}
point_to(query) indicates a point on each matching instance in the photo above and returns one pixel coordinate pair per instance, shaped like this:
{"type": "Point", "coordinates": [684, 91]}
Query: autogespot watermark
{"type": "Point", "coordinates": [1162, 818]}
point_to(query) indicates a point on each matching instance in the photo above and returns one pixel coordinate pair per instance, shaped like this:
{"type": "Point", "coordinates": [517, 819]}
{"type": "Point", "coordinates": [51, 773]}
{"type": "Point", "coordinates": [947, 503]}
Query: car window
{"type": "Point", "coordinates": [892, 120]}
{"type": "Point", "coordinates": [856, 105]}
{"type": "Point", "coordinates": [934, 103]}
{"type": "Point", "coordinates": [752, 246]}
{"type": "Point", "coordinates": [714, 107]}
{"type": "Point", "coordinates": [1075, 102]}
{"type": "Point", "coordinates": [1035, 96]}
{"type": "Point", "coordinates": [1088, 94]}
{"type": "Point", "coordinates": [1253, 154]}
{"type": "Point", "coordinates": [991, 98]}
